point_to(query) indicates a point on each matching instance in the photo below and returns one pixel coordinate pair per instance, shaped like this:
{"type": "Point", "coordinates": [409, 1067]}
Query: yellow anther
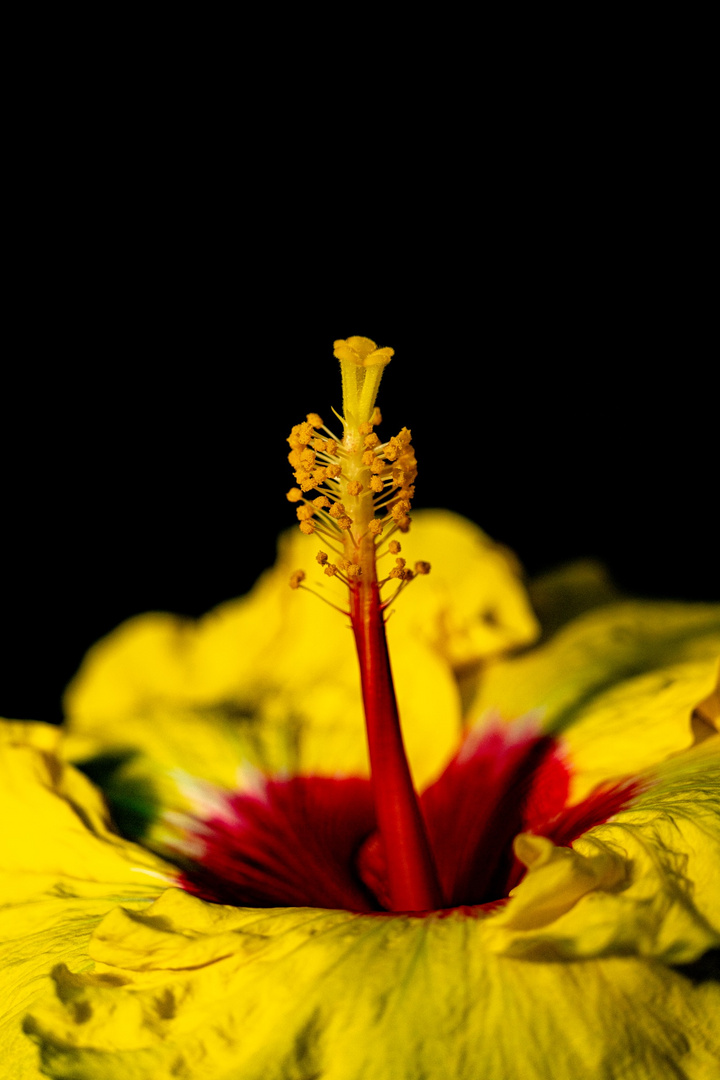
{"type": "Point", "coordinates": [401, 563]}
{"type": "Point", "coordinates": [307, 527]}
{"type": "Point", "coordinates": [368, 457]}
{"type": "Point", "coordinates": [365, 428]}
{"type": "Point", "coordinates": [294, 458]}
{"type": "Point", "coordinates": [408, 575]}
{"type": "Point", "coordinates": [398, 477]}
{"type": "Point", "coordinates": [321, 503]}
{"type": "Point", "coordinates": [354, 487]}
{"type": "Point", "coordinates": [343, 564]}
{"type": "Point", "coordinates": [354, 570]}
{"type": "Point", "coordinates": [330, 446]}
{"type": "Point", "coordinates": [333, 471]}
{"type": "Point", "coordinates": [296, 578]}
{"type": "Point", "coordinates": [372, 440]}
{"type": "Point", "coordinates": [294, 495]}
{"type": "Point", "coordinates": [304, 513]}
{"type": "Point", "coordinates": [394, 547]}
{"type": "Point", "coordinates": [305, 480]}
{"type": "Point", "coordinates": [375, 526]}
{"type": "Point", "coordinates": [344, 522]}
{"type": "Point", "coordinates": [337, 510]}
{"type": "Point", "coordinates": [397, 572]}
{"type": "Point", "coordinates": [376, 417]}
{"type": "Point", "coordinates": [321, 557]}
{"type": "Point", "coordinates": [377, 466]}
{"type": "Point", "coordinates": [404, 524]}
{"type": "Point", "coordinates": [403, 437]}
{"type": "Point", "coordinates": [319, 476]}
{"type": "Point", "coordinates": [314, 420]}
{"type": "Point", "coordinates": [422, 567]}
{"type": "Point", "coordinates": [390, 452]}
{"type": "Point", "coordinates": [318, 444]}
{"type": "Point", "coordinates": [376, 484]}
{"type": "Point", "coordinates": [301, 435]}
{"type": "Point", "coordinates": [407, 492]}
{"type": "Point", "coordinates": [331, 569]}
{"type": "Point", "coordinates": [307, 457]}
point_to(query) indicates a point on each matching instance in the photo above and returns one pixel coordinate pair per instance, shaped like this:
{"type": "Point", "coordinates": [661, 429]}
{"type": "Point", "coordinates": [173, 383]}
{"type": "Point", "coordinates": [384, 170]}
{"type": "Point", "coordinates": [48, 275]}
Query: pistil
{"type": "Point", "coordinates": [365, 490]}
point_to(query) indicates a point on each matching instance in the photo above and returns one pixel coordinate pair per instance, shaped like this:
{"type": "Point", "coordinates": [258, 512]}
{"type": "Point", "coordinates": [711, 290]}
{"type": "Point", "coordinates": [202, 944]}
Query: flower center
{"type": "Point", "coordinates": [372, 845]}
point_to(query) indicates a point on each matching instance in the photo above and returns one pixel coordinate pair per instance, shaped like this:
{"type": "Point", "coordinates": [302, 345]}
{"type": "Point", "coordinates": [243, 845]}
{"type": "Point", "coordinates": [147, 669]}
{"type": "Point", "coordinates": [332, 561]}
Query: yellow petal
{"type": "Point", "coordinates": [196, 990]}
{"type": "Point", "coordinates": [620, 683]}
{"type": "Point", "coordinates": [63, 869]}
{"type": "Point", "coordinates": [647, 882]}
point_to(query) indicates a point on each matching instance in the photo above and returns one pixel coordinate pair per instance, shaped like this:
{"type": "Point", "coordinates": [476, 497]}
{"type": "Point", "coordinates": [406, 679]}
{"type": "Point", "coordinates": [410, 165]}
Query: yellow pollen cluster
{"type": "Point", "coordinates": [344, 469]}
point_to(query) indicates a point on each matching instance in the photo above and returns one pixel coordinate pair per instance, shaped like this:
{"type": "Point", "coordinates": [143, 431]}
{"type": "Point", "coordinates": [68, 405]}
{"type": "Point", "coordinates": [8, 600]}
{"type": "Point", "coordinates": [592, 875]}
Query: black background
{"type": "Point", "coordinates": [172, 315]}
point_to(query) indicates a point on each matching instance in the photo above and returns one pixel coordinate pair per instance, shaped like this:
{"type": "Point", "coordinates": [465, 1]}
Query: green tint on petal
{"type": "Point", "coordinates": [57, 834]}
{"type": "Point", "coordinates": [193, 990]}
{"type": "Point", "coordinates": [562, 594]}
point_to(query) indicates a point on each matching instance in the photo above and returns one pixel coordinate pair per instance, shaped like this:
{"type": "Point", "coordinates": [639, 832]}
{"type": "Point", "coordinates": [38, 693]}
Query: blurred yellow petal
{"type": "Point", "coordinates": [620, 683]}
{"type": "Point", "coordinates": [473, 605]}
{"type": "Point", "coordinates": [278, 668]}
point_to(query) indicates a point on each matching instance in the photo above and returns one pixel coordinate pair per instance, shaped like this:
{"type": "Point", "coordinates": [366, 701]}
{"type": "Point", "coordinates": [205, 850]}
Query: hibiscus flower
{"type": "Point", "coordinates": [268, 900]}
